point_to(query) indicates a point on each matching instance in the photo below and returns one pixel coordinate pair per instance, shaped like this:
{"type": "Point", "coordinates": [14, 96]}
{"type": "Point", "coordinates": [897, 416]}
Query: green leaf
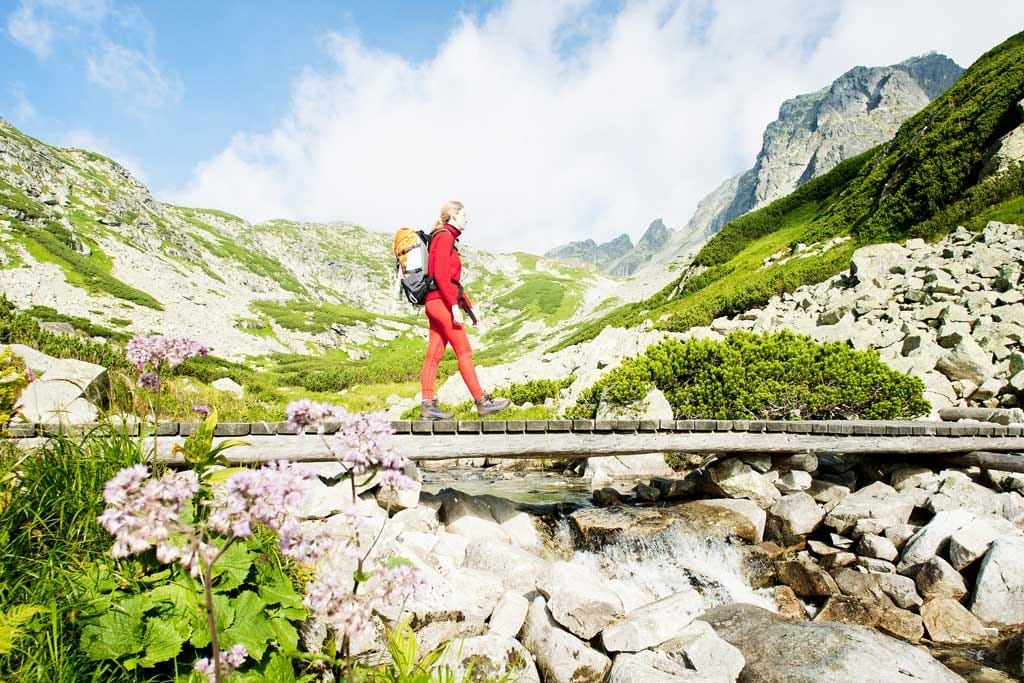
{"type": "Point", "coordinates": [11, 623]}
{"type": "Point", "coordinates": [180, 605]}
{"type": "Point", "coordinates": [117, 633]}
{"type": "Point", "coordinates": [276, 587]}
{"type": "Point", "coordinates": [251, 627]}
{"type": "Point", "coordinates": [232, 568]}
{"type": "Point", "coordinates": [163, 642]}
{"type": "Point", "coordinates": [284, 631]}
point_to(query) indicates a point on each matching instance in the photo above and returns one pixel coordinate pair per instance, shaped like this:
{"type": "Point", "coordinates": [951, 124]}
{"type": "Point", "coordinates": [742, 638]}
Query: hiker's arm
{"type": "Point", "coordinates": [448, 290]}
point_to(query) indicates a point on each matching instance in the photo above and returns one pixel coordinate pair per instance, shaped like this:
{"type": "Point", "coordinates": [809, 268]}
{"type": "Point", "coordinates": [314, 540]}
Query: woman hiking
{"type": "Point", "coordinates": [446, 307]}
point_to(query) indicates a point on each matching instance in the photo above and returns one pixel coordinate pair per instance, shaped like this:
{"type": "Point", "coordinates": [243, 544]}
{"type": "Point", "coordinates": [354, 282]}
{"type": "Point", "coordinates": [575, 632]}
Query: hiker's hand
{"type": "Point", "coordinates": [458, 317]}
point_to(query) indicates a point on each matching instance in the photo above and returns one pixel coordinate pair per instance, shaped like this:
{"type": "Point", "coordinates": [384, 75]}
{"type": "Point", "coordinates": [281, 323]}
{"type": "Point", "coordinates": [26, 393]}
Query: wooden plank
{"type": "Point", "coordinates": [581, 445]}
{"type": "Point", "coordinates": [445, 426]}
{"type": "Point", "coordinates": [647, 426]}
{"type": "Point", "coordinates": [492, 426]}
{"type": "Point", "coordinates": [263, 428]}
{"type": "Point", "coordinates": [534, 426]}
{"type": "Point", "coordinates": [626, 426]}
{"type": "Point", "coordinates": [515, 426]}
{"type": "Point", "coordinates": [582, 425]}
{"type": "Point", "coordinates": [559, 425]}
{"type": "Point", "coordinates": [401, 426]}
{"type": "Point", "coordinates": [422, 427]}
{"type": "Point", "coordinates": [469, 426]}
{"type": "Point", "coordinates": [231, 429]}
{"type": "Point", "coordinates": [1007, 462]}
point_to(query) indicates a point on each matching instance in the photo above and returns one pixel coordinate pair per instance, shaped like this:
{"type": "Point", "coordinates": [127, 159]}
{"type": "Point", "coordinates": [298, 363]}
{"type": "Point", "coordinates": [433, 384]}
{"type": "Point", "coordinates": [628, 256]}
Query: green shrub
{"type": "Point", "coordinates": [761, 377]}
{"type": "Point", "coordinates": [20, 327]}
{"type": "Point", "coordinates": [535, 391]}
{"type": "Point", "coordinates": [12, 380]}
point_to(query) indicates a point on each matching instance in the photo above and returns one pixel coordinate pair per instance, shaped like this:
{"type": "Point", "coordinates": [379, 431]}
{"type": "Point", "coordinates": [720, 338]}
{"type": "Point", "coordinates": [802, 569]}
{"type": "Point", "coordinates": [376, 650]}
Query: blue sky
{"type": "Point", "coordinates": [552, 120]}
{"type": "Point", "coordinates": [230, 65]}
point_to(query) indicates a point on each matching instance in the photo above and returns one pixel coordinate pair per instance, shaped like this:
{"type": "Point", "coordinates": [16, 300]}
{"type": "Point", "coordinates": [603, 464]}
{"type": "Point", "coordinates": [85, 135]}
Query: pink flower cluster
{"type": "Point", "coordinates": [143, 512]}
{"type": "Point", "coordinates": [351, 614]}
{"type": "Point", "coordinates": [362, 442]}
{"type": "Point", "coordinates": [158, 349]}
{"type": "Point", "coordinates": [232, 659]}
{"type": "Point", "coordinates": [304, 413]}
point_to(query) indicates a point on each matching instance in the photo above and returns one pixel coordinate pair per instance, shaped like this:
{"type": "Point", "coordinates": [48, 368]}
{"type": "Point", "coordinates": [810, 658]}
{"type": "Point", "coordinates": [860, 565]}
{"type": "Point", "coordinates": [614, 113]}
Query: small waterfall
{"type": "Point", "coordinates": [641, 570]}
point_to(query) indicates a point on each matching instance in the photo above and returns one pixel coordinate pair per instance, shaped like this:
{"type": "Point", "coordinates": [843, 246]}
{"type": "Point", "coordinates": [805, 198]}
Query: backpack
{"type": "Point", "coordinates": [412, 249]}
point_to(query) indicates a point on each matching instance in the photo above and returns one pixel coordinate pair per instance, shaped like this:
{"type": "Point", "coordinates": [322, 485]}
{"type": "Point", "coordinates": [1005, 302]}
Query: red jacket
{"type": "Point", "coordinates": [444, 259]}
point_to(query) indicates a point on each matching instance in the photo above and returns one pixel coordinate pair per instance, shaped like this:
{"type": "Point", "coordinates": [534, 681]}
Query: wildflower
{"type": "Point", "coordinates": [29, 375]}
{"type": "Point", "coordinates": [155, 350]}
{"type": "Point", "coordinates": [305, 413]}
{"type": "Point", "coordinates": [232, 659]}
{"type": "Point", "coordinates": [150, 380]}
{"type": "Point", "coordinates": [201, 410]}
{"type": "Point", "coordinates": [143, 512]}
{"type": "Point", "coordinates": [363, 442]}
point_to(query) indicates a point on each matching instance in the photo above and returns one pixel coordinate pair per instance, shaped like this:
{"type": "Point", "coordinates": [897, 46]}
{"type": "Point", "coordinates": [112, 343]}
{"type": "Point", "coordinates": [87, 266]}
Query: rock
{"type": "Point", "coordinates": [876, 262]}
{"type": "Point", "coordinates": [947, 621]}
{"type": "Point", "coordinates": [37, 361]}
{"type": "Point", "coordinates": [599, 526]}
{"type": "Point", "coordinates": [806, 578]}
{"type": "Point", "coordinates": [878, 547]}
{"type": "Point", "coordinates": [735, 479]}
{"type": "Point", "coordinates": [826, 492]}
{"type": "Point", "coordinates": [902, 590]}
{"type": "Point", "coordinates": [902, 624]}
{"type": "Point", "coordinates": [669, 488]}
{"type": "Point", "coordinates": [228, 385]}
{"type": "Point", "coordinates": [789, 604]}
{"type": "Point", "coordinates": [518, 569]}
{"type": "Point", "coordinates": [653, 623]}
{"type": "Point", "coordinates": [937, 579]}
{"type": "Point", "coordinates": [899, 534]}
{"type": "Point", "coordinates": [967, 360]}
{"type": "Point", "coordinates": [1013, 654]}
{"type": "Point", "coordinates": [793, 481]}
{"type": "Point", "coordinates": [651, 666]}
{"type": "Point", "coordinates": [391, 498]}
{"type": "Point", "coordinates": [912, 477]}
{"type": "Point", "coordinates": [972, 541]}
{"type": "Point", "coordinates": [522, 531]}
{"type": "Point", "coordinates": [418, 518]}
{"type": "Point", "coordinates": [607, 469]}
{"type": "Point", "coordinates": [862, 585]}
{"type": "Point", "coordinates": [59, 328]}
{"type": "Point", "coordinates": [792, 518]}
{"type": "Point", "coordinates": [606, 496]}
{"type": "Point", "coordinates": [491, 657]}
{"type": "Point", "coordinates": [874, 565]}
{"type": "Point", "coordinates": [758, 462]}
{"type": "Point", "coordinates": [509, 615]}
{"type": "Point", "coordinates": [876, 501]}
{"type": "Point", "coordinates": [933, 538]}
{"type": "Point", "coordinates": [999, 590]}
{"type": "Point", "coordinates": [475, 528]}
{"type": "Point", "coordinates": [848, 609]}
{"type": "Point", "coordinates": [441, 550]}
{"type": "Point", "coordinates": [561, 657]}
{"type": "Point", "coordinates": [463, 595]}
{"type": "Point", "coordinates": [779, 651]}
{"type": "Point", "coordinates": [746, 508]}
{"type": "Point", "coordinates": [579, 599]}
{"type": "Point", "coordinates": [67, 393]}
{"type": "Point", "coordinates": [700, 647]}
{"type": "Point", "coordinates": [646, 494]}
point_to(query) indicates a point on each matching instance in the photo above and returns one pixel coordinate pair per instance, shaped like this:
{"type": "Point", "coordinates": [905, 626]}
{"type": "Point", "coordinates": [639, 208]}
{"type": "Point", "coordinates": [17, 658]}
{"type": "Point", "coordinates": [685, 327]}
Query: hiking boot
{"type": "Point", "coordinates": [485, 405]}
{"type": "Point", "coordinates": [430, 410]}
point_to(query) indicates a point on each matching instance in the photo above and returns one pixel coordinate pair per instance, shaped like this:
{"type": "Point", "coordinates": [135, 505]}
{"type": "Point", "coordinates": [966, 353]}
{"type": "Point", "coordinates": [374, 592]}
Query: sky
{"type": "Point", "coordinates": [552, 120]}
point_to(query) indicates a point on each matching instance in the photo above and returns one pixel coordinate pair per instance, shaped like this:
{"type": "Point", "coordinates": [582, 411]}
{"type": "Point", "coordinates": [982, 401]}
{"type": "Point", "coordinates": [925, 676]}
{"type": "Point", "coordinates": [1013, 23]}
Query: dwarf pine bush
{"type": "Point", "coordinates": [749, 376]}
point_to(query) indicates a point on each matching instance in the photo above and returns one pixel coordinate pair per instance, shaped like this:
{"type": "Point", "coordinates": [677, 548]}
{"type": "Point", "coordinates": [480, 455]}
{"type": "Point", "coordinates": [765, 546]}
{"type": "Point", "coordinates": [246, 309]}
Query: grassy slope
{"type": "Point", "coordinates": [923, 183]}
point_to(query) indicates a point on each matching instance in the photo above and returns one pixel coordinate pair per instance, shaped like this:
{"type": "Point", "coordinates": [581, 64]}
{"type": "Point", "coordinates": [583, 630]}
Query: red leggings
{"type": "Point", "coordinates": [443, 331]}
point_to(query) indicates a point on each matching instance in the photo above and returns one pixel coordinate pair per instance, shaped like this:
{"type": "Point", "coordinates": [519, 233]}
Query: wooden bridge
{"type": "Point", "coordinates": [991, 445]}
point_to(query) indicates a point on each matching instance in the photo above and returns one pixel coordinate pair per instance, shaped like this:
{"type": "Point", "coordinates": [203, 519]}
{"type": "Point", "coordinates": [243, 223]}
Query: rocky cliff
{"type": "Point", "coordinates": [862, 108]}
{"type": "Point", "coordinates": [618, 257]}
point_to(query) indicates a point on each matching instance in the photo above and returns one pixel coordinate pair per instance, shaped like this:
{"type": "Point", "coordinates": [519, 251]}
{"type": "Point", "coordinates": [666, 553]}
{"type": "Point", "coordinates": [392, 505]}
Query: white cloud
{"type": "Point", "coordinates": [85, 139]}
{"type": "Point", "coordinates": [31, 31]}
{"type": "Point", "coordinates": [133, 76]}
{"type": "Point", "coordinates": [553, 123]}
{"type": "Point", "coordinates": [23, 111]}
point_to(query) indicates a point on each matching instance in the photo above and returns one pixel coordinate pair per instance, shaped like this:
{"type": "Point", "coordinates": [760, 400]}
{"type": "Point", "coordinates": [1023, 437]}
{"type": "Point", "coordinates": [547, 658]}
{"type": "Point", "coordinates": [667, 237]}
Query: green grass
{"type": "Point", "coordinates": [50, 553]}
{"type": "Point", "coordinates": [306, 316]}
{"type": "Point", "coordinates": [90, 328]}
{"type": "Point", "coordinates": [527, 261]}
{"type": "Point", "coordinates": [229, 248]}
{"type": "Point", "coordinates": [16, 202]}
{"type": "Point", "coordinates": [88, 272]}
{"type": "Point", "coordinates": [1010, 211]}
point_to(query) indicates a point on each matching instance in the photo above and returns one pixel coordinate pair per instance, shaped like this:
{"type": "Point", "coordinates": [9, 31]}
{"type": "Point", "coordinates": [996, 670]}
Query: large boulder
{"type": "Point", "coordinates": [948, 621]}
{"type": "Point", "coordinates": [517, 568]}
{"type": "Point", "coordinates": [736, 479]}
{"type": "Point", "coordinates": [999, 591]}
{"type": "Point", "coordinates": [67, 393]}
{"type": "Point", "coordinates": [792, 518]}
{"type": "Point", "coordinates": [491, 657]}
{"type": "Point", "coordinates": [934, 538]}
{"type": "Point", "coordinates": [878, 501]}
{"type": "Point", "coordinates": [653, 623]}
{"type": "Point", "coordinates": [967, 360]}
{"type": "Point", "coordinates": [650, 666]}
{"type": "Point", "coordinates": [777, 650]}
{"type": "Point", "coordinates": [579, 599]}
{"type": "Point", "coordinates": [599, 526]}
{"type": "Point", "coordinates": [561, 657]}
{"type": "Point", "coordinates": [704, 650]}
{"type": "Point", "coordinates": [876, 263]}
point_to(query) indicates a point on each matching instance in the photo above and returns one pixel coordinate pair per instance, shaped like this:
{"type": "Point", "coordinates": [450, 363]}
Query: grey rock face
{"type": "Point", "coordinates": [814, 132]}
{"type": "Point", "coordinates": [492, 656]}
{"type": "Point", "coordinates": [779, 651]}
{"type": "Point", "coordinates": [618, 257]}
{"type": "Point", "coordinates": [66, 393]}
{"type": "Point", "coordinates": [653, 623]}
{"type": "Point", "coordinates": [579, 600]}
